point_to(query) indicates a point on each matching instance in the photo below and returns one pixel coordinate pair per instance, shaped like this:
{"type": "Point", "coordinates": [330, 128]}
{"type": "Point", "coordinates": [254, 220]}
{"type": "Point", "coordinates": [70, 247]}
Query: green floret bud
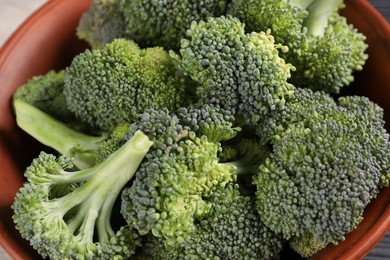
{"type": "Point", "coordinates": [116, 139]}
{"type": "Point", "coordinates": [101, 23]}
{"type": "Point", "coordinates": [232, 230]}
{"type": "Point", "coordinates": [303, 103]}
{"type": "Point", "coordinates": [374, 129]}
{"type": "Point", "coordinates": [239, 72]}
{"type": "Point", "coordinates": [76, 224]}
{"type": "Point", "coordinates": [45, 92]}
{"type": "Point", "coordinates": [109, 86]}
{"type": "Point", "coordinates": [283, 17]}
{"type": "Point", "coordinates": [215, 123]}
{"type": "Point", "coordinates": [306, 246]}
{"type": "Point", "coordinates": [327, 162]}
{"type": "Point", "coordinates": [166, 197]}
{"type": "Point", "coordinates": [323, 47]}
{"type": "Point", "coordinates": [164, 23]}
{"type": "Point", "coordinates": [328, 62]}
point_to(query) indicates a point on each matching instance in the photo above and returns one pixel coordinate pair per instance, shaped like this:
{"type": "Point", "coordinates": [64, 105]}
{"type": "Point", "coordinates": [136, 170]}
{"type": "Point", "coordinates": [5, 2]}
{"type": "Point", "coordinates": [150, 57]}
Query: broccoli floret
{"type": "Point", "coordinates": [303, 103]}
{"type": "Point", "coordinates": [182, 167]}
{"type": "Point", "coordinates": [213, 122]}
{"type": "Point", "coordinates": [83, 148]}
{"type": "Point", "coordinates": [102, 23]}
{"type": "Point", "coordinates": [232, 230]}
{"type": "Point", "coordinates": [327, 162]}
{"type": "Point", "coordinates": [77, 224]}
{"type": "Point", "coordinates": [117, 138]}
{"type": "Point", "coordinates": [323, 47]}
{"type": "Point", "coordinates": [164, 23]}
{"type": "Point", "coordinates": [109, 86]}
{"type": "Point", "coordinates": [46, 93]}
{"type": "Point", "coordinates": [240, 72]}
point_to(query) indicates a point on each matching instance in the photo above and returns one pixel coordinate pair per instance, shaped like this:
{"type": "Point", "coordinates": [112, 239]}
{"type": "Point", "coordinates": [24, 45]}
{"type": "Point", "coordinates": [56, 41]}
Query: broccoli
{"type": "Point", "coordinates": [232, 230]}
{"type": "Point", "coordinates": [164, 23]}
{"type": "Point", "coordinates": [83, 148]}
{"type": "Point", "coordinates": [182, 167]}
{"type": "Point", "coordinates": [67, 214]}
{"type": "Point", "coordinates": [109, 86]}
{"type": "Point", "coordinates": [240, 72]}
{"type": "Point", "coordinates": [117, 138]}
{"type": "Point", "coordinates": [149, 23]}
{"type": "Point", "coordinates": [102, 23]}
{"type": "Point", "coordinates": [45, 92]}
{"type": "Point", "coordinates": [324, 48]}
{"type": "Point", "coordinates": [328, 161]}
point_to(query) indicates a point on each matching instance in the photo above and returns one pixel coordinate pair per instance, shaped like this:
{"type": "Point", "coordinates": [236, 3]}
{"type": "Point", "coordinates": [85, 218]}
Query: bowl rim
{"type": "Point", "coordinates": [8, 242]}
{"type": "Point", "coordinates": [375, 231]}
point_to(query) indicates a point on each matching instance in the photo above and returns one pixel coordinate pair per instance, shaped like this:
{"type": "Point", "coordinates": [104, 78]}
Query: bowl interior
{"type": "Point", "coordinates": [47, 41]}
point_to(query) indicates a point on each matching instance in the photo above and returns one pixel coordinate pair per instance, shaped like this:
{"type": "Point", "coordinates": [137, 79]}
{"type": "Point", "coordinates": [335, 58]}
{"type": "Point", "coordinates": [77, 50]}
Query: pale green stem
{"type": "Point", "coordinates": [96, 197]}
{"type": "Point", "coordinates": [57, 135]}
{"type": "Point", "coordinates": [319, 13]}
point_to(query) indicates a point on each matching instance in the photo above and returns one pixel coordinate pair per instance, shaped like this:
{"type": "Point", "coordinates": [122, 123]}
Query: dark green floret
{"type": "Point", "coordinates": [239, 72]}
{"type": "Point", "coordinates": [232, 230]}
{"type": "Point", "coordinates": [215, 123]}
{"type": "Point", "coordinates": [164, 23]}
{"type": "Point", "coordinates": [328, 161]}
{"type": "Point", "coordinates": [102, 23]}
{"type": "Point", "coordinates": [108, 86]}
{"type": "Point", "coordinates": [324, 48]}
{"type": "Point", "coordinates": [45, 92]}
{"type": "Point", "coordinates": [67, 214]}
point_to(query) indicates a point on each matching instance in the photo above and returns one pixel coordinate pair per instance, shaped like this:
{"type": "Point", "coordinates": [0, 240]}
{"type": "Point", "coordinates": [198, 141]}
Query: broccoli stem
{"type": "Point", "coordinates": [95, 198]}
{"type": "Point", "coordinates": [319, 13]}
{"type": "Point", "coordinates": [248, 164]}
{"type": "Point", "coordinates": [57, 135]}
{"type": "Point", "coordinates": [302, 3]}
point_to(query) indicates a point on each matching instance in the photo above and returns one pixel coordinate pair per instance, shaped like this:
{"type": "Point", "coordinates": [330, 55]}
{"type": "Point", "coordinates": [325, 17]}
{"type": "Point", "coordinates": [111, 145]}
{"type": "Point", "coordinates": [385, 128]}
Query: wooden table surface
{"type": "Point", "coordinates": [14, 12]}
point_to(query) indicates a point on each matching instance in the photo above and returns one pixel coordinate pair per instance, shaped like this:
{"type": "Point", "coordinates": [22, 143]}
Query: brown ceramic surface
{"type": "Point", "coordinates": [47, 41]}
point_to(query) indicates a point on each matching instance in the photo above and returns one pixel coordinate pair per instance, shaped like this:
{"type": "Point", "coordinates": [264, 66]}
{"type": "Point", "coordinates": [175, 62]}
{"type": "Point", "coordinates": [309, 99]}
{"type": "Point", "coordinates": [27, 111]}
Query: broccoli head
{"type": "Point", "coordinates": [45, 92]}
{"type": "Point", "coordinates": [101, 23]}
{"type": "Point", "coordinates": [232, 230]}
{"type": "Point", "coordinates": [108, 86]}
{"type": "Point", "coordinates": [164, 23]}
{"type": "Point", "coordinates": [240, 72]}
{"type": "Point", "coordinates": [67, 214]}
{"type": "Point", "coordinates": [182, 167]}
{"type": "Point", "coordinates": [324, 48]}
{"type": "Point", "coordinates": [326, 164]}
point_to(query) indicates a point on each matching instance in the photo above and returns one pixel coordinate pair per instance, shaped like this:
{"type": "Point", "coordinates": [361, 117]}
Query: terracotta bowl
{"type": "Point", "coordinates": [47, 41]}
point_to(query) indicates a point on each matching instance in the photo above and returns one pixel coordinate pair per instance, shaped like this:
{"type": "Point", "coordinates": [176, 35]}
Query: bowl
{"type": "Point", "coordinates": [47, 41]}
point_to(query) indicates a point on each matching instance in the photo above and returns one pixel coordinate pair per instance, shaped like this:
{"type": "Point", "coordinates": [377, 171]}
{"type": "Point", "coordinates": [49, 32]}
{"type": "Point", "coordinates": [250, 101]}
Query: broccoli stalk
{"type": "Point", "coordinates": [319, 14]}
{"type": "Point", "coordinates": [57, 135]}
{"type": "Point", "coordinates": [86, 206]}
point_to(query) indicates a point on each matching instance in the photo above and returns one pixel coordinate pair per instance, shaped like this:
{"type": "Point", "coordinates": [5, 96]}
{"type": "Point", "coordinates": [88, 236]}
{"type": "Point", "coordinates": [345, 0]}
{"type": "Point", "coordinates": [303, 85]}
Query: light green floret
{"type": "Point", "coordinates": [324, 48]}
{"type": "Point", "coordinates": [167, 195]}
{"type": "Point", "coordinates": [327, 163]}
{"type": "Point", "coordinates": [240, 72]}
{"type": "Point", "coordinates": [164, 23]}
{"type": "Point", "coordinates": [101, 23]}
{"type": "Point", "coordinates": [109, 86]}
{"type": "Point", "coordinates": [45, 92]}
{"type": "Point", "coordinates": [283, 17]}
{"type": "Point", "coordinates": [232, 230]}
{"type": "Point", "coordinates": [67, 214]}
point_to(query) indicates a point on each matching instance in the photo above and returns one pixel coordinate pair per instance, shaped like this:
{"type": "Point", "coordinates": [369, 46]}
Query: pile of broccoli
{"type": "Point", "coordinates": [207, 130]}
